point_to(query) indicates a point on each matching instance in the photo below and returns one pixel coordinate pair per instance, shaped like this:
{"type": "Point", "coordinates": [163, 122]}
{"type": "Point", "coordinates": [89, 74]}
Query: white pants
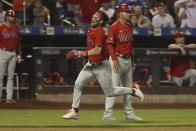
{"type": "Point", "coordinates": [189, 77]}
{"type": "Point", "coordinates": [102, 72]}
{"type": "Point", "coordinates": [125, 78]}
{"type": "Point", "coordinates": [7, 63]}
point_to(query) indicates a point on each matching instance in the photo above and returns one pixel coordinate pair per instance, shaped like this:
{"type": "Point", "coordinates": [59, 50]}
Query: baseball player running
{"type": "Point", "coordinates": [97, 66]}
{"type": "Point", "coordinates": [9, 44]}
{"type": "Point", "coordinates": [119, 43]}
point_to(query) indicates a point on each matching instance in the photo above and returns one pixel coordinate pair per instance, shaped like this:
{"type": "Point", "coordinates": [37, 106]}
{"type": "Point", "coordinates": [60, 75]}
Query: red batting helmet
{"type": "Point", "coordinates": [144, 72]}
{"type": "Point", "coordinates": [124, 8]}
{"type": "Point", "coordinates": [179, 34]}
{"type": "Point", "coordinates": [10, 13]}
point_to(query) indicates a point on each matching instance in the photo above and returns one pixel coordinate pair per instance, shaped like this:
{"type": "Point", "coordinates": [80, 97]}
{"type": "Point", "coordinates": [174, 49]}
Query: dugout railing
{"type": "Point", "coordinates": [46, 59]}
{"type": "Point", "coordinates": [19, 87]}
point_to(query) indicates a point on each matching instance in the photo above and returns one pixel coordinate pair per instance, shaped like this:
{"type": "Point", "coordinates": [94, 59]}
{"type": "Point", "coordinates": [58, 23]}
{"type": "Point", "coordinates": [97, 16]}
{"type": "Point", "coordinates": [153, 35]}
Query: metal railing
{"type": "Point", "coordinates": [6, 2]}
{"type": "Point", "coordinates": [25, 2]}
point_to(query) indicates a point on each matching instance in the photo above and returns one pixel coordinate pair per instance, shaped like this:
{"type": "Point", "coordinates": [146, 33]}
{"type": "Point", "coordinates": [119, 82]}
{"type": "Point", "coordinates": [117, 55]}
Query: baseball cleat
{"type": "Point", "coordinates": [70, 115]}
{"type": "Point", "coordinates": [109, 118]}
{"type": "Point", "coordinates": [136, 118]}
{"type": "Point", "coordinates": [137, 92]}
{"type": "Point", "coordinates": [10, 101]}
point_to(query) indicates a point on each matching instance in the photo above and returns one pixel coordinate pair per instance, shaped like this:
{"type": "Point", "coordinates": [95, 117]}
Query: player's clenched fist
{"type": "Point", "coordinates": [75, 54]}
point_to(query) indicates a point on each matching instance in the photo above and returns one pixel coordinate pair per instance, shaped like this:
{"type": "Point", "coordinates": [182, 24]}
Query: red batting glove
{"type": "Point", "coordinates": [81, 53]}
{"type": "Point", "coordinates": [76, 54]}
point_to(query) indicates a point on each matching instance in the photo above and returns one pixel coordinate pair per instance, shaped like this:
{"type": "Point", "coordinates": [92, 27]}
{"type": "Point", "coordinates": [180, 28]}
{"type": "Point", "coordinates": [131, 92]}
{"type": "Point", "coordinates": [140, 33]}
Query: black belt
{"type": "Point", "coordinates": [5, 49]}
{"type": "Point", "coordinates": [123, 56]}
{"type": "Point", "coordinates": [95, 63]}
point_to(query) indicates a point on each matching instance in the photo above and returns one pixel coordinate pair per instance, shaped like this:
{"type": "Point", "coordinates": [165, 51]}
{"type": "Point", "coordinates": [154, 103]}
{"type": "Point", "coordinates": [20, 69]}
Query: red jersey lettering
{"type": "Point", "coordinates": [96, 38]}
{"type": "Point", "coordinates": [121, 37]}
{"type": "Point", "coordinates": [9, 37]}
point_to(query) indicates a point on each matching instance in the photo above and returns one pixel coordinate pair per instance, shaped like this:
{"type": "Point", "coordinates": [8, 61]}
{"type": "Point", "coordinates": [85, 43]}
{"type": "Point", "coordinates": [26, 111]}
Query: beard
{"type": "Point", "coordinates": [12, 21]}
{"type": "Point", "coordinates": [97, 23]}
{"type": "Point", "coordinates": [95, 26]}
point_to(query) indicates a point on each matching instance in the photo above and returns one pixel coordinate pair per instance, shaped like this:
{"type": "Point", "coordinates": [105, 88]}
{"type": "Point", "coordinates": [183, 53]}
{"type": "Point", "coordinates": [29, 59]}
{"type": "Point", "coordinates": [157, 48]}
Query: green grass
{"type": "Point", "coordinates": [98, 130]}
{"type": "Point", "coordinates": [93, 118]}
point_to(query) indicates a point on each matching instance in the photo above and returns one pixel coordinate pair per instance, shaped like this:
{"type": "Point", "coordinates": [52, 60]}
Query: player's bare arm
{"type": "Point", "coordinates": [133, 64]}
{"type": "Point", "coordinates": [181, 47]}
{"type": "Point", "coordinates": [174, 46]}
{"type": "Point", "coordinates": [191, 46]}
{"type": "Point", "coordinates": [116, 66]}
{"type": "Point", "coordinates": [19, 48]}
{"type": "Point", "coordinates": [19, 51]}
{"type": "Point", "coordinates": [192, 64]}
{"type": "Point", "coordinates": [180, 3]}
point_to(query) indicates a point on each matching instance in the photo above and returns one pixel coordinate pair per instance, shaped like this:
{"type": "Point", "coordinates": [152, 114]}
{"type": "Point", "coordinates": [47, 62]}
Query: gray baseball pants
{"type": "Point", "coordinates": [102, 72]}
{"type": "Point", "coordinates": [125, 78]}
{"type": "Point", "coordinates": [189, 77]}
{"type": "Point", "coordinates": [7, 64]}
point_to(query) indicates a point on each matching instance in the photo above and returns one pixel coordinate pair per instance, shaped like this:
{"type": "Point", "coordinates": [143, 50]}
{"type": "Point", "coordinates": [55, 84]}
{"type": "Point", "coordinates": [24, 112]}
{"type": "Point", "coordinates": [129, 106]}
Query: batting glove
{"type": "Point", "coordinates": [19, 58]}
{"type": "Point", "coordinates": [76, 54]}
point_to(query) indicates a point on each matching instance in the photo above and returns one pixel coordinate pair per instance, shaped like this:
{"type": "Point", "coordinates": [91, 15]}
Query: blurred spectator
{"type": "Point", "coordinates": [55, 79]}
{"type": "Point", "coordinates": [163, 19]}
{"type": "Point", "coordinates": [150, 8]}
{"type": "Point", "coordinates": [182, 67]}
{"type": "Point", "coordinates": [170, 6]}
{"type": "Point", "coordinates": [121, 2]}
{"type": "Point", "coordinates": [39, 13]}
{"type": "Point", "coordinates": [141, 20]}
{"type": "Point", "coordinates": [112, 4]}
{"type": "Point", "coordinates": [2, 14]}
{"type": "Point", "coordinates": [18, 8]}
{"type": "Point", "coordinates": [134, 3]}
{"type": "Point", "coordinates": [115, 16]}
{"type": "Point", "coordinates": [189, 10]}
{"type": "Point", "coordinates": [51, 6]}
{"type": "Point", "coordinates": [108, 11]}
{"type": "Point", "coordinates": [59, 6]}
{"type": "Point", "coordinates": [77, 15]}
{"type": "Point", "coordinates": [144, 78]}
{"type": "Point", "coordinates": [180, 15]}
{"type": "Point", "coordinates": [88, 8]}
{"type": "Point", "coordinates": [107, 22]}
{"type": "Point", "coordinates": [134, 21]}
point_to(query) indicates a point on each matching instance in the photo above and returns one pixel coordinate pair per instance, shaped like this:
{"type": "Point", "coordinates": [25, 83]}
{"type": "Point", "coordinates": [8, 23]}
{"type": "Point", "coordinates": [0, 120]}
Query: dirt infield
{"type": "Point", "coordinates": [34, 104]}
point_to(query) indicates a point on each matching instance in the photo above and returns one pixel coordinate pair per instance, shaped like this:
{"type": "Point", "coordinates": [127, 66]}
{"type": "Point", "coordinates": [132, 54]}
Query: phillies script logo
{"type": "Point", "coordinates": [125, 37]}
{"type": "Point", "coordinates": [10, 34]}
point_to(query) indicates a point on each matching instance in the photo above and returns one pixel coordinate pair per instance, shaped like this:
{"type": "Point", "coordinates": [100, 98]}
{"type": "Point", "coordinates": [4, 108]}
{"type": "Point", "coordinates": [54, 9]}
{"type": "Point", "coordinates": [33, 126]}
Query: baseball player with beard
{"type": "Point", "coordinates": [9, 47]}
{"type": "Point", "coordinates": [97, 66]}
{"type": "Point", "coordinates": [119, 43]}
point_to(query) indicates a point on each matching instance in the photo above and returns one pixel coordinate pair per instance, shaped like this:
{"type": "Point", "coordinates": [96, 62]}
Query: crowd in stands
{"type": "Point", "coordinates": [145, 13]}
